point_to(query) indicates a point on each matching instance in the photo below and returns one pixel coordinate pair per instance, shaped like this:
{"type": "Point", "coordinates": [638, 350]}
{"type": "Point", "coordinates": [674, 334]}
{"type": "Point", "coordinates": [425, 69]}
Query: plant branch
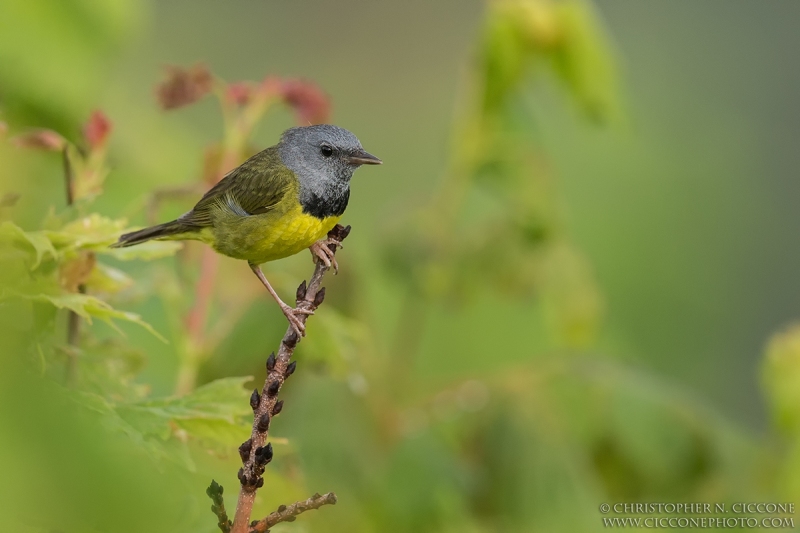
{"type": "Point", "coordinates": [239, 126]}
{"type": "Point", "coordinates": [73, 320]}
{"type": "Point", "coordinates": [289, 513]}
{"type": "Point", "coordinates": [196, 323]}
{"type": "Point", "coordinates": [256, 452]}
{"type": "Point", "coordinates": [214, 491]}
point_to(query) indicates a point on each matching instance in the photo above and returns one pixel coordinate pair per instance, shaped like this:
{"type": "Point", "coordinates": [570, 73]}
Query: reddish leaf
{"type": "Point", "coordinates": [41, 140]}
{"type": "Point", "coordinates": [97, 129]}
{"type": "Point", "coordinates": [184, 86]}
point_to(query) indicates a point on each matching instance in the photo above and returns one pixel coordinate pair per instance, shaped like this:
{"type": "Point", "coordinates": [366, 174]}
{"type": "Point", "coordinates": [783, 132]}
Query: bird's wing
{"type": "Point", "coordinates": [254, 187]}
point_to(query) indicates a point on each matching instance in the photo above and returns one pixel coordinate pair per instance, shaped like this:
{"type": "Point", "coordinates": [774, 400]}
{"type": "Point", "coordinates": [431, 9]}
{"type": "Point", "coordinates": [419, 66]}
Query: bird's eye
{"type": "Point", "coordinates": [326, 150]}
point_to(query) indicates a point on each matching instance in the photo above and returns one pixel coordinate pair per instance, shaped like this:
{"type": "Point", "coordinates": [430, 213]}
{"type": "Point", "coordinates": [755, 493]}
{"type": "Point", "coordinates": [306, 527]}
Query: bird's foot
{"type": "Point", "coordinates": [325, 251]}
{"type": "Point", "coordinates": [293, 316]}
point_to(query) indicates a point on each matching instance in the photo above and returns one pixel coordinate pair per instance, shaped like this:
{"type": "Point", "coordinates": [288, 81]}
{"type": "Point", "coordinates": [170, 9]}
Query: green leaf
{"type": "Point", "coordinates": [87, 307]}
{"type": "Point", "coordinates": [781, 378]}
{"type": "Point", "coordinates": [114, 422]}
{"type": "Point", "coordinates": [108, 279]}
{"type": "Point", "coordinates": [585, 61]}
{"type": "Point", "coordinates": [216, 412]}
{"type": "Point", "coordinates": [92, 231]}
{"type": "Point", "coordinates": [37, 240]}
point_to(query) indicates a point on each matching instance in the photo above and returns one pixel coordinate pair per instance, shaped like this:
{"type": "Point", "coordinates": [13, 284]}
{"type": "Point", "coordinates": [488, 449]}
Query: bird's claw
{"type": "Point", "coordinates": [294, 321]}
{"type": "Point", "coordinates": [325, 251]}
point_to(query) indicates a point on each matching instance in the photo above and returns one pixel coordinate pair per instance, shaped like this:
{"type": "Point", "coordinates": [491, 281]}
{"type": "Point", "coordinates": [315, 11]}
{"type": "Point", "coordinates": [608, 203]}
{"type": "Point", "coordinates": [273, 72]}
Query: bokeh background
{"type": "Point", "coordinates": [572, 281]}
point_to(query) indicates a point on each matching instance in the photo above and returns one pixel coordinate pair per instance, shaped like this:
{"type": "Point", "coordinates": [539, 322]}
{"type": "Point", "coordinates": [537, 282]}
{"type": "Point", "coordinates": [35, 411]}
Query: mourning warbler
{"type": "Point", "coordinates": [280, 201]}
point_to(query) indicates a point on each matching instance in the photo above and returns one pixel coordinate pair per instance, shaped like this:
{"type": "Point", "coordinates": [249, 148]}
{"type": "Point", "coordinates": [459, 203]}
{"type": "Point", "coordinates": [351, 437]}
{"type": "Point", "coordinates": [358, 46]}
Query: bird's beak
{"type": "Point", "coordinates": [363, 158]}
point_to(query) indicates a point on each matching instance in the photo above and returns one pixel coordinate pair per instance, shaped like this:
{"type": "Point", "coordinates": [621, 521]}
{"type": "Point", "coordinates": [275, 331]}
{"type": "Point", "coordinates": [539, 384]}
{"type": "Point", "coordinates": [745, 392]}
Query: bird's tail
{"type": "Point", "coordinates": [167, 231]}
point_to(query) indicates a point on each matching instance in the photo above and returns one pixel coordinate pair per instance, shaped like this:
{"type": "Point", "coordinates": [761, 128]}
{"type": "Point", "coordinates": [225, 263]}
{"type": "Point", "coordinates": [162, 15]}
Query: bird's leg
{"type": "Point", "coordinates": [291, 314]}
{"type": "Point", "coordinates": [325, 251]}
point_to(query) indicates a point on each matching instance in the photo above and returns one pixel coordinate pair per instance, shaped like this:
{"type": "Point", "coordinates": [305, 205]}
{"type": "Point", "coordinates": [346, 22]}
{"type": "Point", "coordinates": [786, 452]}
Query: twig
{"type": "Point", "coordinates": [214, 491]}
{"type": "Point", "coordinates": [289, 513]}
{"type": "Point", "coordinates": [255, 452]}
{"type": "Point", "coordinates": [196, 321]}
{"type": "Point", "coordinates": [73, 320]}
{"type": "Point", "coordinates": [69, 179]}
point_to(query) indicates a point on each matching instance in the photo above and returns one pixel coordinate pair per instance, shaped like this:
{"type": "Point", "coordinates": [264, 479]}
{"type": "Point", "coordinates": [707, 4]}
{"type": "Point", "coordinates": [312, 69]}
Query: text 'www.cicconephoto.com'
{"type": "Point", "coordinates": [700, 515]}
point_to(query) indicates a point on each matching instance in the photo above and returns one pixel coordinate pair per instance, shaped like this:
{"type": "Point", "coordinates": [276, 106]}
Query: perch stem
{"type": "Point", "coordinates": [256, 452]}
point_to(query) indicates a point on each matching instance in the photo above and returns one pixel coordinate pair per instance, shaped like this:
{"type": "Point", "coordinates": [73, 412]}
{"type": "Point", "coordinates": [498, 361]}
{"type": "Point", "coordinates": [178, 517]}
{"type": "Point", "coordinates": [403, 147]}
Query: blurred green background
{"type": "Point", "coordinates": [559, 290]}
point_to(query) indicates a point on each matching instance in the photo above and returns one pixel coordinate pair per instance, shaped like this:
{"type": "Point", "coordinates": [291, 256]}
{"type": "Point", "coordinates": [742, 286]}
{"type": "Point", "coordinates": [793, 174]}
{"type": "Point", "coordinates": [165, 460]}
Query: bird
{"type": "Point", "coordinates": [277, 203]}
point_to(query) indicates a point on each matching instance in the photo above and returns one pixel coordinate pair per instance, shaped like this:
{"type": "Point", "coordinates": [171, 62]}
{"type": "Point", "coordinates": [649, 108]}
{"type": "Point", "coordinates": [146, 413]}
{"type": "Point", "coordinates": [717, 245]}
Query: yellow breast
{"type": "Point", "coordinates": [264, 238]}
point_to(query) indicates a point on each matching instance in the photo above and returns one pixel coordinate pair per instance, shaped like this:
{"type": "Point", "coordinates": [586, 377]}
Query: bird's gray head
{"type": "Point", "coordinates": [323, 158]}
{"type": "Point", "coordinates": [323, 152]}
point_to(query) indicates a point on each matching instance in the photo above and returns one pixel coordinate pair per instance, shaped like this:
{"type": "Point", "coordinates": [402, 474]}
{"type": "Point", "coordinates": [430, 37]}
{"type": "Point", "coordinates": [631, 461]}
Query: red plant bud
{"type": "Point", "coordinates": [239, 93]}
{"type": "Point", "coordinates": [41, 140]}
{"type": "Point", "coordinates": [96, 130]}
{"type": "Point", "coordinates": [310, 104]}
{"type": "Point", "coordinates": [184, 86]}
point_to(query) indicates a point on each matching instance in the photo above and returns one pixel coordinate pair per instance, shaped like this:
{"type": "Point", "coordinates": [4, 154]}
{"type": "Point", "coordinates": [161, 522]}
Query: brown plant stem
{"type": "Point", "coordinates": [256, 453]}
{"type": "Point", "coordinates": [238, 128]}
{"type": "Point", "coordinates": [73, 320]}
{"type": "Point", "coordinates": [289, 513]}
{"type": "Point", "coordinates": [196, 322]}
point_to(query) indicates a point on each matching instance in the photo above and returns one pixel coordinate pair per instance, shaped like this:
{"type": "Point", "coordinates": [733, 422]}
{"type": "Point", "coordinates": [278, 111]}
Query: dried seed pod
{"type": "Point", "coordinates": [301, 291]}
{"type": "Point", "coordinates": [264, 454]}
{"type": "Point", "coordinates": [319, 297]}
{"type": "Point", "coordinates": [291, 339]}
{"type": "Point", "coordinates": [263, 423]}
{"type": "Point", "coordinates": [244, 450]}
{"type": "Point", "coordinates": [255, 399]}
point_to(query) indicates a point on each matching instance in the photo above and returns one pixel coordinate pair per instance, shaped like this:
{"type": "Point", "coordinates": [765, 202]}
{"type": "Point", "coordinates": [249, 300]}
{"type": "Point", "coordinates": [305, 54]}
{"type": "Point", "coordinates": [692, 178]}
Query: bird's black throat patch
{"type": "Point", "coordinates": [330, 205]}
